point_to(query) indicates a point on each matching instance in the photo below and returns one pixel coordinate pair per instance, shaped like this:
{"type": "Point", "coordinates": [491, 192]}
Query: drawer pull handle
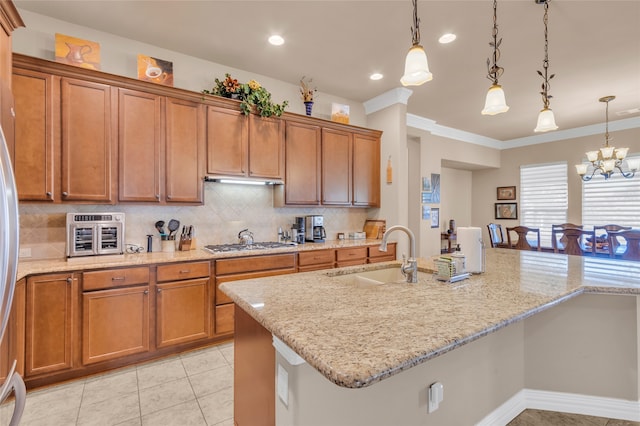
{"type": "Point", "coordinates": [185, 271]}
{"type": "Point", "coordinates": [118, 278]}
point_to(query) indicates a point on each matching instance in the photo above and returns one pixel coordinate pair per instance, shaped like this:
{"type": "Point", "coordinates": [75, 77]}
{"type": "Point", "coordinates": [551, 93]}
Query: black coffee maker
{"type": "Point", "coordinates": [299, 227]}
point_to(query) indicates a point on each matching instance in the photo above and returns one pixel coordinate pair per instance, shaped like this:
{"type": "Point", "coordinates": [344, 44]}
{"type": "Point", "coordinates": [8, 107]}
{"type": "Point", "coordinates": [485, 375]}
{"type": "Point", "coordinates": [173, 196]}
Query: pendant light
{"type": "Point", "coordinates": [495, 102]}
{"type": "Point", "coordinates": [416, 67]}
{"type": "Point", "coordinates": [546, 120]}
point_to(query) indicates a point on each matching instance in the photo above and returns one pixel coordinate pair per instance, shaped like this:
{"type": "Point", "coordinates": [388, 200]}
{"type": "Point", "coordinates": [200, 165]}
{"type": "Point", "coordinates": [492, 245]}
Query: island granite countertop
{"type": "Point", "coordinates": [356, 335]}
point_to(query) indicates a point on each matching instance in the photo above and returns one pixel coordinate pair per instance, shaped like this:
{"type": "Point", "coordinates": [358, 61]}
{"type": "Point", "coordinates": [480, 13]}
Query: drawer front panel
{"type": "Point", "coordinates": [255, 263]}
{"type": "Point", "coordinates": [98, 280]}
{"type": "Point", "coordinates": [351, 254]}
{"type": "Point", "coordinates": [316, 257]}
{"type": "Point", "coordinates": [183, 271]}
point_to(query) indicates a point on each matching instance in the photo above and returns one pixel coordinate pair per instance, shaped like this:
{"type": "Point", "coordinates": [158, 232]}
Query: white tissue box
{"type": "Point", "coordinates": [357, 235]}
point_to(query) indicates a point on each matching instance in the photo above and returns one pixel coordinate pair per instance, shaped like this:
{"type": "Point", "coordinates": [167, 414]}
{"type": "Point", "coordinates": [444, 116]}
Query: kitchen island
{"type": "Point", "coordinates": [356, 352]}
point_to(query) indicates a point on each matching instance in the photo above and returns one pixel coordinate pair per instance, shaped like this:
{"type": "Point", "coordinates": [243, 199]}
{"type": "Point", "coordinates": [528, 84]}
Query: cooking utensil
{"type": "Point", "coordinates": [160, 227]}
{"type": "Point", "coordinates": [173, 227]}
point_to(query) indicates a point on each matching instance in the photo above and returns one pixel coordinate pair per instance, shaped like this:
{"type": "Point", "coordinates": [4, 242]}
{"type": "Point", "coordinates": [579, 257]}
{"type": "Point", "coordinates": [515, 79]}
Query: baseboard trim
{"type": "Point", "coordinates": [563, 402]}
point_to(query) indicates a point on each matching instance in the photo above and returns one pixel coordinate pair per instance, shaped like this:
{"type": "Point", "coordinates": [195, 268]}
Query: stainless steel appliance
{"type": "Point", "coordinates": [9, 243]}
{"type": "Point", "coordinates": [94, 234]}
{"type": "Point", "coordinates": [314, 229]}
{"type": "Point", "coordinates": [300, 234]}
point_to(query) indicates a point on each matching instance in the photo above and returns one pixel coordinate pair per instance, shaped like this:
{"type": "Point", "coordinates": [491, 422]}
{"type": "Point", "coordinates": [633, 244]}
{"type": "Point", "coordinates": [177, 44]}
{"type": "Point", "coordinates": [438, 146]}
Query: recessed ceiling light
{"type": "Point", "coordinates": [447, 38]}
{"type": "Point", "coordinates": [376, 76]}
{"type": "Point", "coordinates": [276, 40]}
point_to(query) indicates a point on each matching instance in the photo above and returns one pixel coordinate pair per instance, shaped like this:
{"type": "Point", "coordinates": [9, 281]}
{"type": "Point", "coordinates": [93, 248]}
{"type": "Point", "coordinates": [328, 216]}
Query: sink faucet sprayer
{"type": "Point", "coordinates": [409, 267]}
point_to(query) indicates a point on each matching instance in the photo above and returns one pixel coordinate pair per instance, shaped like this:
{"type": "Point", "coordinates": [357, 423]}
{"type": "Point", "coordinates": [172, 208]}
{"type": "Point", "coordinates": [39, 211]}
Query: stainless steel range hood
{"type": "Point", "coordinates": [243, 180]}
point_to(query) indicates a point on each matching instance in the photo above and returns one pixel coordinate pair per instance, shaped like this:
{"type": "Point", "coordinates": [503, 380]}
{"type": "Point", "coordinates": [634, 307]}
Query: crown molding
{"type": "Point", "coordinates": [399, 95]}
{"type": "Point", "coordinates": [432, 127]}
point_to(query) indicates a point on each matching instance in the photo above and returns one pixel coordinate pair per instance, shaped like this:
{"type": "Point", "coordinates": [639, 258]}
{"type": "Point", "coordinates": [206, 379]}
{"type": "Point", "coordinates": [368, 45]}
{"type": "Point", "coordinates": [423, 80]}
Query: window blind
{"type": "Point", "coordinates": [612, 201]}
{"type": "Point", "coordinates": [543, 197]}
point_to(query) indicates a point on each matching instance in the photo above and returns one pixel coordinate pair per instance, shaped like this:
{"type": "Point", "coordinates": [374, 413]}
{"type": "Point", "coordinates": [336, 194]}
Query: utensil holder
{"type": "Point", "coordinates": [168, 246]}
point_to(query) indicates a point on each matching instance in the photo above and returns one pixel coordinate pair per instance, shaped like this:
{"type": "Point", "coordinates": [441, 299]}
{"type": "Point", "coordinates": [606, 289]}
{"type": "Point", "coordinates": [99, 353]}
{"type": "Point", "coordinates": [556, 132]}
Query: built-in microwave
{"type": "Point", "coordinates": [94, 234]}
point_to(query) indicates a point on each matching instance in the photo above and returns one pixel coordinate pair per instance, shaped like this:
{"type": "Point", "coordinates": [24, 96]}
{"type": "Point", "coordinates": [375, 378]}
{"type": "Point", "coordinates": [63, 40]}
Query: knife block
{"type": "Point", "coordinates": [185, 244]}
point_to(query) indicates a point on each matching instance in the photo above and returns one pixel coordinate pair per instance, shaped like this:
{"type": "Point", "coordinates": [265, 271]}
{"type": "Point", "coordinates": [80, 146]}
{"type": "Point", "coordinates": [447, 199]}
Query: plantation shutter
{"type": "Point", "coordinates": [612, 201]}
{"type": "Point", "coordinates": [543, 197]}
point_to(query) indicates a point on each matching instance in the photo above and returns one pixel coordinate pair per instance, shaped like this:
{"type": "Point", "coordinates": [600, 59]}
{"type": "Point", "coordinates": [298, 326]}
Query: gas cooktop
{"type": "Point", "coordinates": [223, 248]}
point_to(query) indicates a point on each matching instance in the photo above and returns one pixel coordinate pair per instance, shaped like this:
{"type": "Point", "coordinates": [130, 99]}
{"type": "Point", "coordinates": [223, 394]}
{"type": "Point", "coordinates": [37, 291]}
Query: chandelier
{"type": "Point", "coordinates": [495, 102]}
{"type": "Point", "coordinates": [546, 120]}
{"type": "Point", "coordinates": [608, 158]}
{"type": "Point", "coordinates": [416, 67]}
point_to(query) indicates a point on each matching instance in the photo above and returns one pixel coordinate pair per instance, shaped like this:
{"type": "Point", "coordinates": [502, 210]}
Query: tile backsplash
{"type": "Point", "coordinates": [228, 209]}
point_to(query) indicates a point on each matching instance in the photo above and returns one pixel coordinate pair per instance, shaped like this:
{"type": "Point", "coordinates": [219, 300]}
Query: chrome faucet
{"type": "Point", "coordinates": [409, 267]}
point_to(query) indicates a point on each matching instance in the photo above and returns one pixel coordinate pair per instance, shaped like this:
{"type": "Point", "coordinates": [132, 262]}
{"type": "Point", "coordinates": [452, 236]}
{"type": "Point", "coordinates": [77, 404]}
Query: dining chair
{"type": "Point", "coordinates": [632, 238]}
{"type": "Point", "coordinates": [523, 243]}
{"type": "Point", "coordinates": [612, 243]}
{"type": "Point", "coordinates": [562, 239]}
{"type": "Point", "coordinates": [575, 241]}
{"type": "Point", "coordinates": [496, 237]}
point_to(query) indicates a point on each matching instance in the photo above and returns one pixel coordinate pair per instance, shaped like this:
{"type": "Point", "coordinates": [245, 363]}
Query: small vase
{"type": "Point", "coordinates": [308, 106]}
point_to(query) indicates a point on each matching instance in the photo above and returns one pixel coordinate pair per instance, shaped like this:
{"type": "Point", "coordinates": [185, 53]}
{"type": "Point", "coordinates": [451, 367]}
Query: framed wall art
{"type": "Point", "coordinates": [155, 70]}
{"type": "Point", "coordinates": [435, 217]}
{"type": "Point", "coordinates": [506, 210]}
{"type": "Point", "coordinates": [506, 193]}
{"type": "Point", "coordinates": [77, 51]}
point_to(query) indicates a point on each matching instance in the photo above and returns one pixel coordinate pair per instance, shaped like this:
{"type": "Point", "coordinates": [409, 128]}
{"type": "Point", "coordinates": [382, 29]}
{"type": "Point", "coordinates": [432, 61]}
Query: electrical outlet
{"type": "Point", "coordinates": [436, 395]}
{"type": "Point", "coordinates": [25, 252]}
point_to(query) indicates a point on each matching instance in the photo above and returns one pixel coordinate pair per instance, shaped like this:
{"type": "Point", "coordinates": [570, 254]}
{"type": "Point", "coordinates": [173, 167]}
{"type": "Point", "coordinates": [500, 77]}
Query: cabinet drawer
{"type": "Point", "coordinates": [183, 271]}
{"type": "Point", "coordinates": [98, 280]}
{"type": "Point", "coordinates": [352, 254]}
{"type": "Point", "coordinates": [316, 257]}
{"type": "Point", "coordinates": [255, 263]}
{"type": "Point", "coordinates": [374, 252]}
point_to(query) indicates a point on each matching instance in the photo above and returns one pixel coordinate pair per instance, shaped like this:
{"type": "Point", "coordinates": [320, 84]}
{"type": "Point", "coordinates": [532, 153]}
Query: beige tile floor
{"type": "Point", "coordinates": [195, 388]}
{"type": "Point", "coordinates": [550, 418]}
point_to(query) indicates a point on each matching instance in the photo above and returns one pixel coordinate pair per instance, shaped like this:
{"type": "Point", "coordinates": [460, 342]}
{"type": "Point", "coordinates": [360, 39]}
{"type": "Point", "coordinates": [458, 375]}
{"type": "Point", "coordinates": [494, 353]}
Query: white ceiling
{"type": "Point", "coordinates": [594, 50]}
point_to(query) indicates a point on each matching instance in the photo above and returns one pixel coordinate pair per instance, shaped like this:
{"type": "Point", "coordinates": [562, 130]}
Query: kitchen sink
{"type": "Point", "coordinates": [375, 277]}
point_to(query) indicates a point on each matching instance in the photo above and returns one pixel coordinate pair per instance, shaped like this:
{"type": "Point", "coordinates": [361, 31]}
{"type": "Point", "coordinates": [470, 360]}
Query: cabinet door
{"type": "Point", "coordinates": [227, 142]}
{"type": "Point", "coordinates": [87, 150]}
{"type": "Point", "coordinates": [336, 167]}
{"type": "Point", "coordinates": [302, 151]}
{"type": "Point", "coordinates": [183, 311]}
{"type": "Point", "coordinates": [266, 147]}
{"type": "Point", "coordinates": [33, 163]}
{"type": "Point", "coordinates": [185, 133]}
{"type": "Point", "coordinates": [50, 306]}
{"type": "Point", "coordinates": [12, 347]}
{"type": "Point", "coordinates": [139, 142]}
{"type": "Point", "coordinates": [366, 171]}
{"type": "Point", "coordinates": [115, 323]}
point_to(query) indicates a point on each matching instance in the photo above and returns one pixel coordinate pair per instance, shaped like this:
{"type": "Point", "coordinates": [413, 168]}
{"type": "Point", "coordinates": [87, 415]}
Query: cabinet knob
{"type": "Point", "coordinates": [69, 280]}
{"type": "Point", "coordinates": [146, 292]}
{"type": "Point", "coordinates": [65, 193]}
{"type": "Point", "coordinates": [48, 194]}
{"type": "Point", "coordinates": [159, 290]}
{"type": "Point", "coordinates": [157, 196]}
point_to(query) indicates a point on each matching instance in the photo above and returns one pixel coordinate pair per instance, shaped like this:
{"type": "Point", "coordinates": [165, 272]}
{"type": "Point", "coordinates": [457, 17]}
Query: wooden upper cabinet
{"type": "Point", "coordinates": [244, 146]}
{"type": "Point", "coordinates": [88, 154]}
{"type": "Point", "coordinates": [139, 143]}
{"type": "Point", "coordinates": [366, 171]}
{"type": "Point", "coordinates": [227, 148]}
{"type": "Point", "coordinates": [266, 147]}
{"type": "Point", "coordinates": [184, 151]}
{"type": "Point", "coordinates": [302, 171]}
{"type": "Point", "coordinates": [36, 150]}
{"type": "Point", "coordinates": [336, 167]}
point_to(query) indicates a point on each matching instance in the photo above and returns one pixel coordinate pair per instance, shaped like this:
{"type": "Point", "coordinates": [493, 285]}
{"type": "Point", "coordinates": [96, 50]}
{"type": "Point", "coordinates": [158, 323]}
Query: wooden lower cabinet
{"type": "Point", "coordinates": [51, 315]}
{"type": "Point", "coordinates": [314, 260]}
{"type": "Point", "coordinates": [375, 255]}
{"type": "Point", "coordinates": [115, 323]}
{"type": "Point", "coordinates": [254, 398]}
{"type": "Point", "coordinates": [351, 256]}
{"type": "Point", "coordinates": [224, 318]}
{"type": "Point", "coordinates": [183, 311]}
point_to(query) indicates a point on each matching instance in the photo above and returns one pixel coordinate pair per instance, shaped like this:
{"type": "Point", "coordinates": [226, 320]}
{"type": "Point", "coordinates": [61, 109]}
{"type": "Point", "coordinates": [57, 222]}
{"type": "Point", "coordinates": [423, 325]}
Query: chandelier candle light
{"type": "Point", "coordinates": [495, 102]}
{"type": "Point", "coordinates": [416, 67]}
{"type": "Point", "coordinates": [546, 120]}
{"type": "Point", "coordinates": [608, 158]}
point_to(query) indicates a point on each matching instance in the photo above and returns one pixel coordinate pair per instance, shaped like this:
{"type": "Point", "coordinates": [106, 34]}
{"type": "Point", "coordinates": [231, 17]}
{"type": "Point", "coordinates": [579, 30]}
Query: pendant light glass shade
{"type": "Point", "coordinates": [495, 102]}
{"type": "Point", "coordinates": [416, 67]}
{"type": "Point", "coordinates": [546, 121]}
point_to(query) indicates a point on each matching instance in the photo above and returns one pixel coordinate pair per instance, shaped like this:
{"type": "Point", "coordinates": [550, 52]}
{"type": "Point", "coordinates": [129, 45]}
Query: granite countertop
{"type": "Point", "coordinates": [47, 266]}
{"type": "Point", "coordinates": [357, 335]}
